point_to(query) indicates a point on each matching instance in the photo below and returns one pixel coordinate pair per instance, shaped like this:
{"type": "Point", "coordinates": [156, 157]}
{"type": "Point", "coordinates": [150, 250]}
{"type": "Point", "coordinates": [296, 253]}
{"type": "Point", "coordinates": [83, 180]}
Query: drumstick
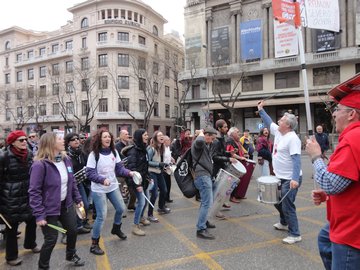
{"type": "Point", "coordinates": [148, 201]}
{"type": "Point", "coordinates": [274, 95]}
{"type": "Point", "coordinates": [6, 222]}
{"type": "Point", "coordinates": [62, 230]}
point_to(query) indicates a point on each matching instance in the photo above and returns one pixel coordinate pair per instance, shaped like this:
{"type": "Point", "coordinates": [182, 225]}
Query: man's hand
{"type": "Point", "coordinates": [312, 147]}
{"type": "Point", "coordinates": [293, 184]}
{"type": "Point", "coordinates": [139, 189]}
{"type": "Point", "coordinates": [260, 105]}
{"type": "Point", "coordinates": [106, 182]}
{"type": "Point", "coordinates": [80, 204]}
{"type": "Point", "coordinates": [41, 223]}
{"type": "Point", "coordinates": [131, 174]}
{"type": "Point", "coordinates": [233, 160]}
{"type": "Point", "coordinates": [318, 196]}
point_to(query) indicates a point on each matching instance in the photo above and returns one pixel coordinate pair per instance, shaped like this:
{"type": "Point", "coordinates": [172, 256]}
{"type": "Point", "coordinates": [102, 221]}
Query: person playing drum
{"type": "Point", "coordinates": [287, 167]}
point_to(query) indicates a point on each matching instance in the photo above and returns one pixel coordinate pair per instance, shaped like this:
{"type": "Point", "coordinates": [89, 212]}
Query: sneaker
{"type": "Point", "coordinates": [226, 205]}
{"type": "Point", "coordinates": [204, 234]}
{"type": "Point", "coordinates": [87, 225]}
{"type": "Point", "coordinates": [83, 230]}
{"type": "Point", "coordinates": [15, 262]}
{"type": "Point", "coordinates": [220, 216]}
{"type": "Point", "coordinates": [209, 225]}
{"type": "Point", "coordinates": [291, 240]}
{"type": "Point", "coordinates": [76, 260]}
{"type": "Point", "coordinates": [137, 231]}
{"type": "Point", "coordinates": [36, 250]}
{"type": "Point", "coordinates": [144, 222]}
{"type": "Point", "coordinates": [280, 227]}
{"type": "Point", "coordinates": [234, 200]}
{"type": "Point", "coordinates": [153, 219]}
{"type": "Point", "coordinates": [163, 211]}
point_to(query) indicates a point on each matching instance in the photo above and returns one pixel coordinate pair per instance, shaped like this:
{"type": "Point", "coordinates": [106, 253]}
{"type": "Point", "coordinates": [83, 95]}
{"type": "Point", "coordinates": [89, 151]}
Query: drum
{"type": "Point", "coordinates": [80, 211]}
{"type": "Point", "coordinates": [269, 189]}
{"type": "Point", "coordinates": [242, 188]}
{"type": "Point", "coordinates": [236, 169]}
{"type": "Point", "coordinates": [226, 183]}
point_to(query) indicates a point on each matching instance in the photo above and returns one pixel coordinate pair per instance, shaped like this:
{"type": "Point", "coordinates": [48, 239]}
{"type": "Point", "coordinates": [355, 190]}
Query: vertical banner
{"type": "Point", "coordinates": [357, 23]}
{"type": "Point", "coordinates": [324, 40]}
{"type": "Point", "coordinates": [220, 49]}
{"type": "Point", "coordinates": [323, 14]}
{"type": "Point", "coordinates": [251, 40]}
{"type": "Point", "coordinates": [286, 41]}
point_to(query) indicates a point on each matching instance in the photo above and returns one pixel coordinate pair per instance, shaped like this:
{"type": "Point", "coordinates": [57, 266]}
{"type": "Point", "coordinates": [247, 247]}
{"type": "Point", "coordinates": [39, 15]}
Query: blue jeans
{"type": "Point", "coordinates": [337, 256]}
{"type": "Point", "coordinates": [205, 187]}
{"type": "Point", "coordinates": [159, 182]}
{"type": "Point", "coordinates": [84, 198]}
{"type": "Point", "coordinates": [140, 205]}
{"type": "Point", "coordinates": [100, 202]}
{"type": "Point", "coordinates": [287, 208]}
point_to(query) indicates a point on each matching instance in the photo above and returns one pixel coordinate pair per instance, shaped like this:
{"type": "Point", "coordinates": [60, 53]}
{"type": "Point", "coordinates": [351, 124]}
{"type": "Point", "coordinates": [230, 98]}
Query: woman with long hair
{"type": "Point", "coordinates": [52, 193]}
{"type": "Point", "coordinates": [264, 149]}
{"type": "Point", "coordinates": [102, 167]}
{"type": "Point", "coordinates": [156, 166]}
{"type": "Point", "coordinates": [15, 163]}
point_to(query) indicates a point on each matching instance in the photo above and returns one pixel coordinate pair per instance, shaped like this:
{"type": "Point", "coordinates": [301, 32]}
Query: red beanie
{"type": "Point", "coordinates": [351, 100]}
{"type": "Point", "coordinates": [14, 135]}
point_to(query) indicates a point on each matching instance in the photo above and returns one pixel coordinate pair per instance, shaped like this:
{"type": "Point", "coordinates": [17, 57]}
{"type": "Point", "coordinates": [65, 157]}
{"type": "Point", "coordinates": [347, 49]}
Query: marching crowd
{"type": "Point", "coordinates": [46, 181]}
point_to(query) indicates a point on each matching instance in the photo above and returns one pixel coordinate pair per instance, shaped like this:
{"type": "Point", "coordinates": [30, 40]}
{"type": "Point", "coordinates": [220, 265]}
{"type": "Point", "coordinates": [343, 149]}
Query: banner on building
{"type": "Point", "coordinates": [286, 41]}
{"type": "Point", "coordinates": [323, 14]}
{"type": "Point", "coordinates": [220, 50]}
{"type": "Point", "coordinates": [324, 40]}
{"type": "Point", "coordinates": [193, 49]}
{"type": "Point", "coordinates": [286, 10]}
{"type": "Point", "coordinates": [251, 40]}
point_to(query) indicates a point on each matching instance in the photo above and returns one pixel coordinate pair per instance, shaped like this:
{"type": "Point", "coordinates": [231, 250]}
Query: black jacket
{"type": "Point", "coordinates": [14, 185]}
{"type": "Point", "coordinates": [221, 157]}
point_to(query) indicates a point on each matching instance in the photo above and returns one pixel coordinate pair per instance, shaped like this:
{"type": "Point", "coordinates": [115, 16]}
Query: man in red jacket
{"type": "Point", "coordinates": [339, 240]}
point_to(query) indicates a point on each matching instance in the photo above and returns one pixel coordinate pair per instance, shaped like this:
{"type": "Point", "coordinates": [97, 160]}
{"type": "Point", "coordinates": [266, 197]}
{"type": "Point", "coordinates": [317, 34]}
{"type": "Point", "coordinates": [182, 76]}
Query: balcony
{"type": "Point", "coordinates": [122, 44]}
{"type": "Point", "coordinates": [118, 115]}
{"type": "Point", "coordinates": [44, 58]}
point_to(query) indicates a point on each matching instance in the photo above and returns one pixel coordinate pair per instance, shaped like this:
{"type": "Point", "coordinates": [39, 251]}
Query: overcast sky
{"type": "Point", "coordinates": [49, 15]}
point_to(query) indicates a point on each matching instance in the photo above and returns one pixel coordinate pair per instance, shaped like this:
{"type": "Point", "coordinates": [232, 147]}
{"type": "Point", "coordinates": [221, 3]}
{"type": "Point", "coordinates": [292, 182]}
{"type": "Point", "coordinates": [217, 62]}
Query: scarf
{"type": "Point", "coordinates": [20, 153]}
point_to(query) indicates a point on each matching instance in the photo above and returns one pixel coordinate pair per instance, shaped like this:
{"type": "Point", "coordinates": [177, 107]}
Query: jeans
{"type": "Point", "coordinates": [100, 202]}
{"type": "Point", "coordinates": [337, 256]}
{"type": "Point", "coordinates": [68, 220]}
{"type": "Point", "coordinates": [12, 242]}
{"type": "Point", "coordinates": [139, 206]}
{"type": "Point", "coordinates": [287, 208]}
{"type": "Point", "coordinates": [84, 198]}
{"type": "Point", "coordinates": [167, 179]}
{"type": "Point", "coordinates": [159, 182]}
{"type": "Point", "coordinates": [204, 185]}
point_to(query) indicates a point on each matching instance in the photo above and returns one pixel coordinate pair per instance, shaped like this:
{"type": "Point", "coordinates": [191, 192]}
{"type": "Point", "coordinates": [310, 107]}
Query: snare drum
{"type": "Point", "coordinates": [236, 169]}
{"type": "Point", "coordinates": [269, 189]}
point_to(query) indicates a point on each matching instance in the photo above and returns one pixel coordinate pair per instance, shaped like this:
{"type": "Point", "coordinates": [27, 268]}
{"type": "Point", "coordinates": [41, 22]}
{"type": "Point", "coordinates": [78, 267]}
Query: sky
{"type": "Point", "coordinates": [50, 15]}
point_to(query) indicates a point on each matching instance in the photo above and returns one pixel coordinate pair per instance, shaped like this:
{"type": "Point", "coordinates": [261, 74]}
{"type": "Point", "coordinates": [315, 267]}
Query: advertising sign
{"type": "Point", "coordinates": [251, 40]}
{"type": "Point", "coordinates": [285, 36]}
{"type": "Point", "coordinates": [220, 50]}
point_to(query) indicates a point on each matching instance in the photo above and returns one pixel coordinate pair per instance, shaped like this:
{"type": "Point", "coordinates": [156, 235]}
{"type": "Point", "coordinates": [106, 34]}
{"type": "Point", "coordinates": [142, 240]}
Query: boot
{"type": "Point", "coordinates": [95, 248]}
{"type": "Point", "coordinates": [137, 231]}
{"type": "Point", "coordinates": [116, 229]}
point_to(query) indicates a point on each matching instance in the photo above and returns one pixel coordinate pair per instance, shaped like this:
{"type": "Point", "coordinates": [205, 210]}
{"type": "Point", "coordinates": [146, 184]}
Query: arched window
{"type": "Point", "coordinates": [155, 31]}
{"type": "Point", "coordinates": [84, 23]}
{"type": "Point", "coordinates": [7, 45]}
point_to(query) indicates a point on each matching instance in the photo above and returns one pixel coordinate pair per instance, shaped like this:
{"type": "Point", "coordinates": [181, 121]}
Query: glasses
{"type": "Point", "coordinates": [74, 139]}
{"type": "Point", "coordinates": [82, 138]}
{"type": "Point", "coordinates": [32, 136]}
{"type": "Point", "coordinates": [22, 140]}
{"type": "Point", "coordinates": [336, 108]}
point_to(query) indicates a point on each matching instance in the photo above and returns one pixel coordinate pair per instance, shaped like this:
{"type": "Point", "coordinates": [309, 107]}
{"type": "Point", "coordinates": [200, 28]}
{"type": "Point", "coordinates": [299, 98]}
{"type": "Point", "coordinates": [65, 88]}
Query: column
{"type": "Point", "coordinates": [233, 38]}
{"type": "Point", "coordinates": [342, 6]}
{"type": "Point", "coordinates": [208, 15]}
{"type": "Point", "coordinates": [265, 26]}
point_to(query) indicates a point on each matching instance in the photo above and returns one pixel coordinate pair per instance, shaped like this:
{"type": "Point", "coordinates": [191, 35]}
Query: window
{"type": "Point", "coordinates": [155, 68]}
{"type": "Point", "coordinates": [55, 109]}
{"type": "Point", "coordinates": [176, 59]}
{"type": "Point", "coordinates": [19, 57]}
{"type": "Point", "coordinates": [31, 92]}
{"type": "Point", "coordinates": [6, 61]}
{"type": "Point", "coordinates": [142, 84]}
{"type": "Point", "coordinates": [31, 111]}
{"type": "Point", "coordinates": [123, 36]}
{"type": "Point", "coordinates": [287, 80]}
{"type": "Point", "coordinates": [103, 105]}
{"type": "Point", "coordinates": [135, 17]}
{"type": "Point", "coordinates": [156, 109]}
{"type": "Point", "coordinates": [176, 111]}
{"type": "Point", "coordinates": [176, 94]}
{"type": "Point", "coordinates": [142, 105]}
{"type": "Point", "coordinates": [19, 94]}
{"type": "Point", "coordinates": [84, 63]}
{"type": "Point", "coordinates": [55, 48]}
{"type": "Point", "coordinates": [84, 23]}
{"type": "Point", "coordinates": [123, 105]}
{"type": "Point", "coordinates": [7, 45]}
{"type": "Point", "coordinates": [195, 93]}
{"type": "Point", "coordinates": [69, 45]}
{"type": "Point", "coordinates": [42, 51]}
{"type": "Point", "coordinates": [30, 74]}
{"type": "Point", "coordinates": [326, 75]}
{"type": "Point", "coordinates": [252, 83]}
{"type": "Point", "coordinates": [69, 66]}
{"type": "Point", "coordinates": [222, 86]}
{"type": "Point", "coordinates": [116, 13]}
{"type": "Point", "coordinates": [103, 82]}
{"type": "Point", "coordinates": [30, 54]}
{"type": "Point", "coordinates": [19, 76]}
{"type": "Point", "coordinates": [167, 73]}
{"type": "Point", "coordinates": [142, 40]}
{"type": "Point", "coordinates": [42, 91]}
{"type": "Point", "coordinates": [167, 110]}
{"type": "Point", "coordinates": [155, 31]}
{"type": "Point", "coordinates": [7, 115]}
{"type": "Point", "coordinates": [7, 78]}
{"type": "Point", "coordinates": [129, 15]}
{"type": "Point", "coordinates": [85, 85]}
{"type": "Point", "coordinates": [19, 112]}
{"type": "Point", "coordinates": [84, 43]}
{"type": "Point", "coordinates": [123, 14]}
{"type": "Point", "coordinates": [85, 108]}
{"type": "Point", "coordinates": [42, 110]}
{"type": "Point", "coordinates": [142, 63]}
{"type": "Point", "coordinates": [7, 95]}
{"type": "Point", "coordinates": [167, 54]}
{"type": "Point", "coordinates": [55, 69]}
{"type": "Point", "coordinates": [42, 72]}
{"type": "Point", "coordinates": [69, 87]}
{"type": "Point", "coordinates": [55, 88]}
{"type": "Point", "coordinates": [69, 107]}
{"type": "Point", "coordinates": [167, 91]}
{"type": "Point", "coordinates": [123, 82]}
{"type": "Point", "coordinates": [102, 37]}
{"type": "Point", "coordinates": [123, 60]}
{"type": "Point", "coordinates": [156, 49]}
{"type": "Point", "coordinates": [103, 60]}
{"type": "Point", "coordinates": [156, 88]}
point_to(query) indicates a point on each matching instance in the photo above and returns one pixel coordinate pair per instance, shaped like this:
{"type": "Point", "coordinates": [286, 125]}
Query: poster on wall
{"type": "Point", "coordinates": [324, 40]}
{"type": "Point", "coordinates": [286, 42]}
{"type": "Point", "coordinates": [251, 40]}
{"type": "Point", "coordinates": [193, 50]}
{"type": "Point", "coordinates": [220, 50]}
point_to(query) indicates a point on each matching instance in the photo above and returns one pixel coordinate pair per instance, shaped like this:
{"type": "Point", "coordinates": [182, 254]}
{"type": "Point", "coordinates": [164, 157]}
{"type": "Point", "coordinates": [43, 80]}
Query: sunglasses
{"type": "Point", "coordinates": [82, 138]}
{"type": "Point", "coordinates": [74, 139]}
{"type": "Point", "coordinates": [22, 140]}
{"type": "Point", "coordinates": [33, 136]}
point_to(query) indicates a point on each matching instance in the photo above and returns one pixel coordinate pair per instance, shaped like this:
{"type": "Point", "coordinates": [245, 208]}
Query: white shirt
{"type": "Point", "coordinates": [106, 168]}
{"type": "Point", "coordinates": [64, 178]}
{"type": "Point", "coordinates": [284, 147]}
{"type": "Point", "coordinates": [167, 155]}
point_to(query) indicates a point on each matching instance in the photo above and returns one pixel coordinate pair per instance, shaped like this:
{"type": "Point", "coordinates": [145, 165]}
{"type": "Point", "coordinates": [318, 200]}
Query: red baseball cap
{"type": "Point", "coordinates": [351, 100]}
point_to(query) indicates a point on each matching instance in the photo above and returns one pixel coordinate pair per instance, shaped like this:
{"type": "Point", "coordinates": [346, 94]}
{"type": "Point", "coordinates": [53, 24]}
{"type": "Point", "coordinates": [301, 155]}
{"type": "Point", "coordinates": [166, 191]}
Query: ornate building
{"type": "Point", "coordinates": [112, 66]}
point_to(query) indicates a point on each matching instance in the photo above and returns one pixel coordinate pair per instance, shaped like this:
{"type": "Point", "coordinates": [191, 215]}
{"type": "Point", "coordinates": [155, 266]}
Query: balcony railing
{"type": "Point", "coordinates": [42, 58]}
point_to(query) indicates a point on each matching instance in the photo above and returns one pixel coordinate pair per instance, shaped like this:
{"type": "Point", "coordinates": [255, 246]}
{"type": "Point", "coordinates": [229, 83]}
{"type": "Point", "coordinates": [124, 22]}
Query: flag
{"type": "Point", "coordinates": [323, 14]}
{"type": "Point", "coordinates": [286, 10]}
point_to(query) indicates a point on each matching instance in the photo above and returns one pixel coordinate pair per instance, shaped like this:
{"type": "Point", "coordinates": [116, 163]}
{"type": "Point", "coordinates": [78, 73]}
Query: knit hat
{"type": "Point", "coordinates": [14, 135]}
{"type": "Point", "coordinates": [351, 100]}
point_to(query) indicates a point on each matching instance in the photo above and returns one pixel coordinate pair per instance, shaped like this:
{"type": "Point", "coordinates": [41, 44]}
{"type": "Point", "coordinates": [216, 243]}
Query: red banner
{"type": "Point", "coordinates": [286, 10]}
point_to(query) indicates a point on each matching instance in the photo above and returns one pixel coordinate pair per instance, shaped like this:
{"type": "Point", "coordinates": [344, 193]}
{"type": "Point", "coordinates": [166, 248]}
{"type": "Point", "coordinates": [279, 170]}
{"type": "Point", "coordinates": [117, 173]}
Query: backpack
{"type": "Point", "coordinates": [184, 174]}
